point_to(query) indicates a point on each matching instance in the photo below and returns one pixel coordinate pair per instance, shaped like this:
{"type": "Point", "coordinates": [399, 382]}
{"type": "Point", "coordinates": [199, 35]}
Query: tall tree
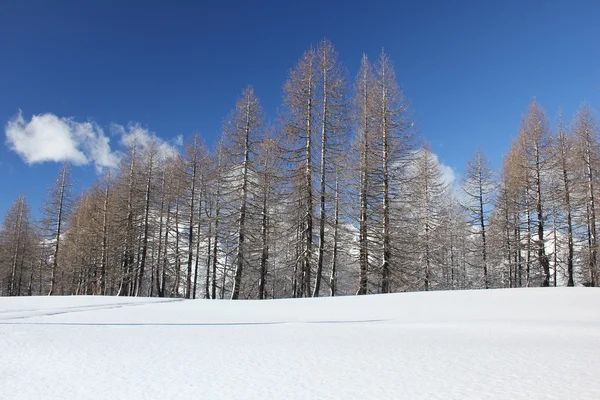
{"type": "Point", "coordinates": [128, 181]}
{"type": "Point", "coordinates": [150, 156]}
{"type": "Point", "coordinates": [195, 154]}
{"type": "Point", "coordinates": [534, 136]}
{"type": "Point", "coordinates": [394, 136]}
{"type": "Point", "coordinates": [333, 120]}
{"type": "Point", "coordinates": [364, 108]}
{"type": "Point", "coordinates": [56, 211]}
{"type": "Point", "coordinates": [106, 195]}
{"type": "Point", "coordinates": [336, 228]}
{"type": "Point", "coordinates": [586, 137]}
{"type": "Point", "coordinates": [562, 149]}
{"type": "Point", "coordinates": [268, 163]}
{"type": "Point", "coordinates": [299, 100]}
{"type": "Point", "coordinates": [242, 130]}
{"type": "Point", "coordinates": [430, 193]}
{"type": "Point", "coordinates": [478, 187]}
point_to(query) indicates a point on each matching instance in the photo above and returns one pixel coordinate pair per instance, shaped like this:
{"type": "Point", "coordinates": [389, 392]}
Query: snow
{"type": "Point", "coordinates": [541, 343]}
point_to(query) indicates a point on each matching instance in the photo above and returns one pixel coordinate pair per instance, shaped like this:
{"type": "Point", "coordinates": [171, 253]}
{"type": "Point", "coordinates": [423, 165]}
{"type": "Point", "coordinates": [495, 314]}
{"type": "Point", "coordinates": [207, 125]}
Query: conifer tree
{"type": "Point", "coordinates": [478, 188]}
{"type": "Point", "coordinates": [56, 211]}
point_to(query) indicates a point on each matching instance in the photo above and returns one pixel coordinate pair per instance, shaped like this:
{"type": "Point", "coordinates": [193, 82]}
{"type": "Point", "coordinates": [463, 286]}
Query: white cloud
{"type": "Point", "coordinates": [136, 135]}
{"type": "Point", "coordinates": [47, 137]}
{"type": "Point", "coordinates": [179, 141]}
{"type": "Point", "coordinates": [449, 177]}
{"type": "Point", "coordinates": [448, 174]}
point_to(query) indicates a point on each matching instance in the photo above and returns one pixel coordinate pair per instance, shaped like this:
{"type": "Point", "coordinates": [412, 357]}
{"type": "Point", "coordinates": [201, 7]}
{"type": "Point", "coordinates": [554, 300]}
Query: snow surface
{"type": "Point", "coordinates": [495, 344]}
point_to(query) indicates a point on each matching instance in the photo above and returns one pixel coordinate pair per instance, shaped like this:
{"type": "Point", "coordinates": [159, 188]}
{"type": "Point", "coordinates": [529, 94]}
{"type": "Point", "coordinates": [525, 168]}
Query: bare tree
{"type": "Point", "coordinates": [298, 124]}
{"type": "Point", "coordinates": [430, 192]}
{"type": "Point", "coordinates": [268, 165]}
{"type": "Point", "coordinates": [195, 154]}
{"type": "Point", "coordinates": [333, 121]}
{"type": "Point", "coordinates": [18, 248]}
{"type": "Point", "coordinates": [478, 187]}
{"type": "Point", "coordinates": [364, 116]}
{"type": "Point", "coordinates": [241, 132]}
{"type": "Point", "coordinates": [586, 137]}
{"type": "Point", "coordinates": [562, 149]}
{"type": "Point", "coordinates": [534, 141]}
{"type": "Point", "coordinates": [395, 143]}
{"type": "Point", "coordinates": [150, 155]}
{"type": "Point", "coordinates": [56, 211]}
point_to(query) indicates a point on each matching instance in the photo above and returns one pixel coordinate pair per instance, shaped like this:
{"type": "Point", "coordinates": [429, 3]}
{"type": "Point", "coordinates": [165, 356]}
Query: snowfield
{"type": "Point", "coordinates": [496, 344]}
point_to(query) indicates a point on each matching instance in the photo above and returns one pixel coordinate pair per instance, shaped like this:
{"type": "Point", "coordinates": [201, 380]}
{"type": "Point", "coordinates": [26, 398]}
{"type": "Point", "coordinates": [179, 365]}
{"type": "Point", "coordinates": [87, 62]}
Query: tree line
{"type": "Point", "coordinates": [339, 196]}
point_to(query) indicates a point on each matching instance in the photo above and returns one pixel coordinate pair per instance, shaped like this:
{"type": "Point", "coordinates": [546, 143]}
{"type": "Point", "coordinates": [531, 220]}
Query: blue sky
{"type": "Point", "coordinates": [469, 68]}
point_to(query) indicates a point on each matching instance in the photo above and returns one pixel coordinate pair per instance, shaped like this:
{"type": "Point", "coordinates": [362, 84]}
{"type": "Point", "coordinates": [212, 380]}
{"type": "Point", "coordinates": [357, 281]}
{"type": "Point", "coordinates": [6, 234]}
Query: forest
{"type": "Point", "coordinates": [339, 195]}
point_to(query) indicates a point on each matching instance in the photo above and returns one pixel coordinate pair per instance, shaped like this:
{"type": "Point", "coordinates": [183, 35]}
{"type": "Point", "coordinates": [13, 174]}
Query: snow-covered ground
{"type": "Point", "coordinates": [500, 344]}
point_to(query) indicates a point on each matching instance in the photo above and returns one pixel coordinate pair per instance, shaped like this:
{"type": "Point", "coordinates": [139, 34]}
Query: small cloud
{"type": "Point", "coordinates": [46, 137]}
{"type": "Point", "coordinates": [178, 140]}
{"type": "Point", "coordinates": [116, 130]}
{"type": "Point", "coordinates": [136, 135]}
{"type": "Point", "coordinates": [448, 174]}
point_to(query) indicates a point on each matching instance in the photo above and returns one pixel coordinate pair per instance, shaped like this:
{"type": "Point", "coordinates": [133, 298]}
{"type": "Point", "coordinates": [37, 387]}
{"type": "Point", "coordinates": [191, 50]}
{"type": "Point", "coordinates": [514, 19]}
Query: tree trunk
{"type": "Point", "coordinates": [216, 244]}
{"type": "Point", "coordinates": [146, 227]}
{"type": "Point", "coordinates": [542, 257]}
{"type": "Point", "coordinates": [482, 227]}
{"type": "Point", "coordinates": [208, 258]}
{"type": "Point", "coordinates": [308, 217]}
{"type": "Point", "coordinates": [336, 221]}
{"type": "Point", "coordinates": [321, 248]}
{"type": "Point", "coordinates": [59, 222]}
{"type": "Point", "coordinates": [195, 284]}
{"type": "Point", "coordinates": [235, 293]}
{"type": "Point", "coordinates": [265, 243]}
{"type": "Point", "coordinates": [385, 268]}
{"type": "Point", "coordinates": [592, 218]}
{"type": "Point", "coordinates": [15, 257]}
{"type": "Point", "coordinates": [363, 228]}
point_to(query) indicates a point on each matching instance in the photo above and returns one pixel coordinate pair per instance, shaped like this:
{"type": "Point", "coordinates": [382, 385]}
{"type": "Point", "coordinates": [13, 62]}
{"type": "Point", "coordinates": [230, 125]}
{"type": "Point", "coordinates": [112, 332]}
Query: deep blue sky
{"type": "Point", "coordinates": [469, 68]}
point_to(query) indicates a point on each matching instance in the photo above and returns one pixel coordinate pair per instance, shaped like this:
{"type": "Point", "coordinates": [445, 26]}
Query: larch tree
{"type": "Point", "coordinates": [299, 114]}
{"type": "Point", "coordinates": [364, 117]}
{"type": "Point", "coordinates": [194, 160]}
{"type": "Point", "coordinates": [332, 117]}
{"type": "Point", "coordinates": [504, 225]}
{"type": "Point", "coordinates": [105, 190]}
{"type": "Point", "coordinates": [394, 132]}
{"type": "Point", "coordinates": [18, 248]}
{"type": "Point", "coordinates": [586, 141]}
{"type": "Point", "coordinates": [562, 150]}
{"type": "Point", "coordinates": [56, 212]}
{"type": "Point", "coordinates": [242, 130]}
{"type": "Point", "coordinates": [218, 182]}
{"type": "Point", "coordinates": [336, 233]}
{"type": "Point", "coordinates": [478, 187]}
{"type": "Point", "coordinates": [204, 172]}
{"type": "Point", "coordinates": [517, 206]}
{"type": "Point", "coordinates": [268, 168]}
{"type": "Point", "coordinates": [534, 135]}
{"type": "Point", "coordinates": [149, 159]}
{"type": "Point", "coordinates": [430, 192]}
{"type": "Point", "coordinates": [169, 188]}
{"type": "Point", "coordinates": [456, 237]}
{"type": "Point", "coordinates": [128, 185]}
